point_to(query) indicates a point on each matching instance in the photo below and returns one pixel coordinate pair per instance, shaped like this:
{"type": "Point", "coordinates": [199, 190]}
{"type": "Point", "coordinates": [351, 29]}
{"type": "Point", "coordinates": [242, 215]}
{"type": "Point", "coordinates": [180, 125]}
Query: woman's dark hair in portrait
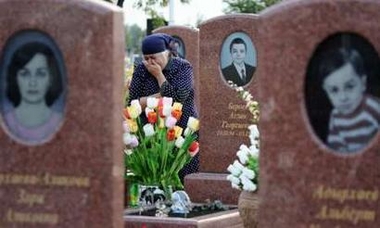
{"type": "Point", "coordinates": [20, 58]}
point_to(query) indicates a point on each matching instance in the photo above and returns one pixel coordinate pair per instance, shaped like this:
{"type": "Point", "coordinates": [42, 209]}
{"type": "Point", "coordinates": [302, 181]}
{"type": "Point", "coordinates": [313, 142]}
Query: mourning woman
{"type": "Point", "coordinates": [33, 84]}
{"type": "Point", "coordinates": [161, 74]}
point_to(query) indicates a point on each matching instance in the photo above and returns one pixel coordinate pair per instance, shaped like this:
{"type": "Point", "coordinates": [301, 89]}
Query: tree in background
{"type": "Point", "coordinates": [133, 38]}
{"type": "Point", "coordinates": [151, 7]}
{"type": "Point", "coordinates": [248, 6]}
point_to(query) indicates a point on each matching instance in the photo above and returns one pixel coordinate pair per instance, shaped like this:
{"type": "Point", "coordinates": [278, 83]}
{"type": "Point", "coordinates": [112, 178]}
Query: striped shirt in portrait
{"type": "Point", "coordinates": [351, 132]}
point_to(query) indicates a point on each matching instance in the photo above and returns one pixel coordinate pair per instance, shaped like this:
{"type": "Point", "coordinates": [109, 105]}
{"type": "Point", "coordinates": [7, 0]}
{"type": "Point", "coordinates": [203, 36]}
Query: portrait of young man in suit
{"type": "Point", "coordinates": [239, 71]}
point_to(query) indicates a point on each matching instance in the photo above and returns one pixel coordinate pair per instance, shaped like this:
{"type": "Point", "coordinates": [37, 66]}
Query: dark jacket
{"type": "Point", "coordinates": [231, 74]}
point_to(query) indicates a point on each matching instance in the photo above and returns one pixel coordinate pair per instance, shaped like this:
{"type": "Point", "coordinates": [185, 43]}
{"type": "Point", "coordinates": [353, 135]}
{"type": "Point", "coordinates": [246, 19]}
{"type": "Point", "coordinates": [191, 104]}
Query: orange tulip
{"type": "Point", "coordinates": [126, 114]}
{"type": "Point", "coordinates": [176, 113]}
{"type": "Point", "coordinates": [152, 117]}
{"type": "Point", "coordinates": [170, 136]}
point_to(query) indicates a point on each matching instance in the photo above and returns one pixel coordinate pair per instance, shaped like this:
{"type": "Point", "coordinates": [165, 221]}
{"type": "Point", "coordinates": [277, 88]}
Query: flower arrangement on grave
{"type": "Point", "coordinates": [157, 150]}
{"type": "Point", "coordinates": [244, 171]}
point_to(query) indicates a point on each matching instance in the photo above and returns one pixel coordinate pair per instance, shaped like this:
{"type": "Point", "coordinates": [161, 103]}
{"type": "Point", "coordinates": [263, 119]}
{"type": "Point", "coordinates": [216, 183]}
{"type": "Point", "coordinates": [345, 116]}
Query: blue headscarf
{"type": "Point", "coordinates": [156, 43]}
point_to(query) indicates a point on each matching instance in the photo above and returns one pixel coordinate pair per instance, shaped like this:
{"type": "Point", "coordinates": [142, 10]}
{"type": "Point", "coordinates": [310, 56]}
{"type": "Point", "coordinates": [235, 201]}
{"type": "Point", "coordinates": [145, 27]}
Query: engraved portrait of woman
{"type": "Point", "coordinates": [32, 106]}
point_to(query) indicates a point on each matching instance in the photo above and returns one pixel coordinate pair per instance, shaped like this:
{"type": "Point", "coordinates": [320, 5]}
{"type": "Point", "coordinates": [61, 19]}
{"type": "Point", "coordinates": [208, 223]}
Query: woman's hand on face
{"type": "Point", "coordinates": [153, 67]}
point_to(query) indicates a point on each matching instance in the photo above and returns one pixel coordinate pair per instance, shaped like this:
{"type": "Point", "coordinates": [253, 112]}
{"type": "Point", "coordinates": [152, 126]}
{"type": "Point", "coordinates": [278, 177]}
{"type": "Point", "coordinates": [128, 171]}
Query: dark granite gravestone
{"type": "Point", "coordinates": [60, 135]}
{"type": "Point", "coordinates": [306, 180]}
{"type": "Point", "coordinates": [224, 118]}
{"type": "Point", "coordinates": [188, 48]}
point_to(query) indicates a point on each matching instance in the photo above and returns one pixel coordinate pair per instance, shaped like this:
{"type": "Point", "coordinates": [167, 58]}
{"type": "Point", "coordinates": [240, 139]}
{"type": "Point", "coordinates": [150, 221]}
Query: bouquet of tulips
{"type": "Point", "coordinates": [157, 149]}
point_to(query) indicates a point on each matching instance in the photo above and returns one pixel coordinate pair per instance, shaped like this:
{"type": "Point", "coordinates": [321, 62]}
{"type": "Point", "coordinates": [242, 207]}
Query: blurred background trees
{"type": "Point", "coordinates": [247, 6]}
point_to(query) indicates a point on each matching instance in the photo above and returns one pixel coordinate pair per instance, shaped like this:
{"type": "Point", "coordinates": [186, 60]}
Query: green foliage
{"type": "Point", "coordinates": [157, 21]}
{"type": "Point", "coordinates": [156, 151]}
{"type": "Point", "coordinates": [133, 37]}
{"type": "Point", "coordinates": [248, 6]}
{"type": "Point", "coordinates": [150, 6]}
{"type": "Point", "coordinates": [157, 160]}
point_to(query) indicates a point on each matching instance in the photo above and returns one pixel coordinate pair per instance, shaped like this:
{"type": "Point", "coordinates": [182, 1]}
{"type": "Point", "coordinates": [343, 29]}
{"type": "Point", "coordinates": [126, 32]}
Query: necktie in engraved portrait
{"type": "Point", "coordinates": [243, 75]}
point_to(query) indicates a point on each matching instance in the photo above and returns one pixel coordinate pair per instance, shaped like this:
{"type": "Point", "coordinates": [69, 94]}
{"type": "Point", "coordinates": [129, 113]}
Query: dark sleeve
{"type": "Point", "coordinates": [179, 88]}
{"type": "Point", "coordinates": [137, 84]}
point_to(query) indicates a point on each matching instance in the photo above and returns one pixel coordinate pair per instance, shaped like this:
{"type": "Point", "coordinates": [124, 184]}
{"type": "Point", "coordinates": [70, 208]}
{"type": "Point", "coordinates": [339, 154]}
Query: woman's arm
{"type": "Point", "coordinates": [179, 88]}
{"type": "Point", "coordinates": [137, 84]}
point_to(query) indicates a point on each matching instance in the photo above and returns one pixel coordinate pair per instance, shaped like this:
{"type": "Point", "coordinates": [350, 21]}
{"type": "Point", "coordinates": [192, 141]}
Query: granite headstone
{"type": "Point", "coordinates": [224, 117]}
{"type": "Point", "coordinates": [60, 136]}
{"type": "Point", "coordinates": [306, 180]}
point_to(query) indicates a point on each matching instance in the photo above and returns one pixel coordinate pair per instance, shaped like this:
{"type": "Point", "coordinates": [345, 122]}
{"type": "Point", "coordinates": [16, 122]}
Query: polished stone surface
{"type": "Point", "coordinates": [302, 182]}
{"type": "Point", "coordinates": [212, 186]}
{"type": "Point", "coordinates": [224, 117]}
{"type": "Point", "coordinates": [75, 179]}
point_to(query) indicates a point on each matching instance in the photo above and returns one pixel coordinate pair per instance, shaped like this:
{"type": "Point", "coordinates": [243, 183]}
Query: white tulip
{"type": "Point", "coordinates": [235, 171]}
{"type": "Point", "coordinates": [249, 186]}
{"type": "Point", "coordinates": [167, 101]}
{"type": "Point", "coordinates": [127, 139]}
{"type": "Point", "coordinates": [233, 179]}
{"type": "Point", "coordinates": [148, 129]}
{"type": "Point", "coordinates": [253, 151]}
{"type": "Point", "coordinates": [179, 142]}
{"type": "Point", "coordinates": [187, 132]}
{"type": "Point", "coordinates": [244, 148]}
{"type": "Point", "coordinates": [152, 102]}
{"type": "Point", "coordinates": [254, 141]}
{"type": "Point", "coordinates": [170, 121]}
{"type": "Point", "coordinates": [237, 165]}
{"type": "Point", "coordinates": [167, 110]}
{"type": "Point", "coordinates": [135, 103]}
{"type": "Point", "coordinates": [250, 174]}
{"type": "Point", "coordinates": [254, 131]}
{"type": "Point", "coordinates": [193, 123]}
{"type": "Point", "coordinates": [134, 142]}
{"type": "Point", "coordinates": [243, 156]}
